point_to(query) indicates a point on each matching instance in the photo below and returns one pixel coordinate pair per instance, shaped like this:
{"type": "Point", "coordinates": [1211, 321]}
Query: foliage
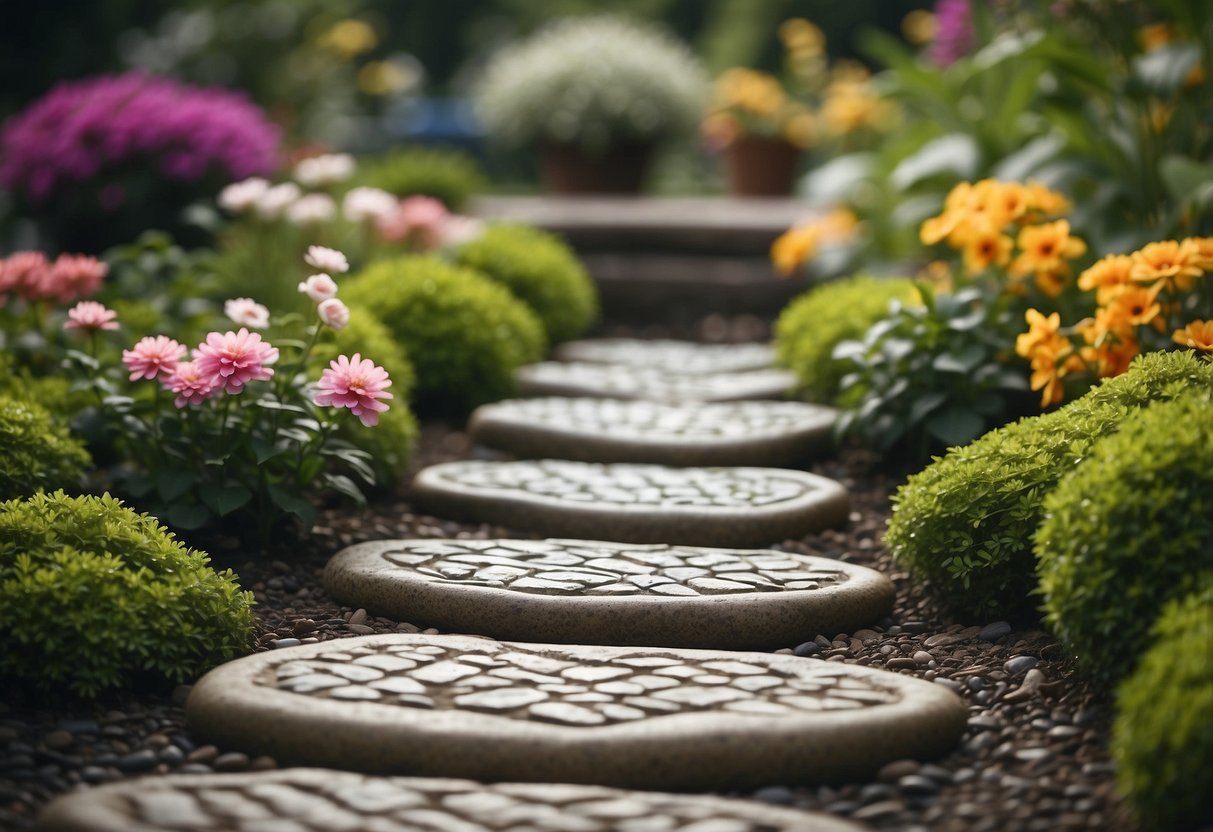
{"type": "Point", "coordinates": [1162, 739]}
{"type": "Point", "coordinates": [542, 271]}
{"type": "Point", "coordinates": [1127, 530]}
{"type": "Point", "coordinates": [814, 323]}
{"type": "Point", "coordinates": [465, 334]}
{"type": "Point", "coordinates": [595, 82]}
{"type": "Point", "coordinates": [968, 519]}
{"type": "Point", "coordinates": [36, 451]}
{"type": "Point", "coordinates": [94, 596]}
{"type": "Point", "coordinates": [450, 176]}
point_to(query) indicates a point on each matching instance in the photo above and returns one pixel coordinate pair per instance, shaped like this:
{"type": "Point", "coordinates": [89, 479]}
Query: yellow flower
{"type": "Point", "coordinates": [1171, 262]}
{"type": "Point", "coordinates": [800, 129]}
{"type": "Point", "coordinates": [350, 38]}
{"type": "Point", "coordinates": [1051, 284]}
{"type": "Point", "coordinates": [1197, 335]}
{"type": "Point", "coordinates": [794, 247]}
{"type": "Point", "coordinates": [1204, 252]}
{"type": "Point", "coordinates": [1107, 277]}
{"type": "Point", "coordinates": [1045, 200]}
{"type": "Point", "coordinates": [985, 248]}
{"type": "Point", "coordinates": [1134, 306]}
{"type": "Point", "coordinates": [800, 35]}
{"type": "Point", "coordinates": [1046, 247]}
{"type": "Point", "coordinates": [838, 225]}
{"type": "Point", "coordinates": [1043, 333]}
{"type": "Point", "coordinates": [918, 27]}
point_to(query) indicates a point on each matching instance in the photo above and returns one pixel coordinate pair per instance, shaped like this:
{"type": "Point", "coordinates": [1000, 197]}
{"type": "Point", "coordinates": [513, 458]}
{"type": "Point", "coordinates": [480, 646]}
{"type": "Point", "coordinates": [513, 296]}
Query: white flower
{"type": "Point", "coordinates": [319, 287]}
{"type": "Point", "coordinates": [362, 204]}
{"type": "Point", "coordinates": [311, 209]}
{"type": "Point", "coordinates": [239, 197]}
{"type": "Point", "coordinates": [326, 259]}
{"type": "Point", "coordinates": [459, 229]}
{"type": "Point", "coordinates": [247, 312]}
{"type": "Point", "coordinates": [325, 170]}
{"type": "Point", "coordinates": [275, 201]}
{"type": "Point", "coordinates": [333, 313]}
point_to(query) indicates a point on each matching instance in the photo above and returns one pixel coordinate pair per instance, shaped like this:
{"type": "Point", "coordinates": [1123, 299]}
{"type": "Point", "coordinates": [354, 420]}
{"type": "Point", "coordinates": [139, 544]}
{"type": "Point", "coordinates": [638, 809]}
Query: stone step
{"type": "Point", "coordinates": [621, 381]}
{"type": "Point", "coordinates": [685, 357]}
{"type": "Point", "coordinates": [317, 800]}
{"type": "Point", "coordinates": [635, 503]}
{"type": "Point", "coordinates": [593, 592]}
{"type": "Point", "coordinates": [758, 433]}
{"type": "Point", "coordinates": [657, 718]}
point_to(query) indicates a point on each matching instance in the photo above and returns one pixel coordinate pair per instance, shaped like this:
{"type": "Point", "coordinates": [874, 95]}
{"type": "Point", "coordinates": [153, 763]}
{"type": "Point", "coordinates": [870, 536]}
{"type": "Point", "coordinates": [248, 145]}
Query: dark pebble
{"type": "Point", "coordinates": [141, 760]}
{"type": "Point", "coordinates": [777, 795]}
{"type": "Point", "coordinates": [1020, 664]}
{"type": "Point", "coordinates": [994, 631]}
{"type": "Point", "coordinates": [937, 773]}
{"type": "Point", "coordinates": [172, 755]}
{"type": "Point", "coordinates": [194, 768]}
{"type": "Point", "coordinates": [902, 663]}
{"type": "Point", "coordinates": [79, 726]}
{"type": "Point", "coordinates": [279, 643]}
{"type": "Point", "coordinates": [360, 629]}
{"type": "Point", "coordinates": [914, 627]}
{"type": "Point", "coordinates": [58, 740]}
{"type": "Point", "coordinates": [842, 807]}
{"type": "Point", "coordinates": [231, 761]}
{"type": "Point", "coordinates": [809, 648]}
{"type": "Point", "coordinates": [916, 784]}
{"type": "Point", "coordinates": [876, 811]}
{"type": "Point", "coordinates": [92, 774]}
{"type": "Point", "coordinates": [874, 792]}
{"type": "Point", "coordinates": [894, 771]}
{"type": "Point", "coordinates": [203, 754]}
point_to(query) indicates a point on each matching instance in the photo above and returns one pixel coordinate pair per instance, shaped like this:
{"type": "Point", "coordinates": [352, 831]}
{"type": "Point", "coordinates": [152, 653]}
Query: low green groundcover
{"type": "Point", "coordinates": [36, 450]}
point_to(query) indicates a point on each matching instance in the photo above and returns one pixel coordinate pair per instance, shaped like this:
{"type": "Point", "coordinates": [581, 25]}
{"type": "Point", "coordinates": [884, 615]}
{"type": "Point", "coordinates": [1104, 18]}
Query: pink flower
{"type": "Point", "coordinates": [355, 383]}
{"type": "Point", "coordinates": [232, 359]}
{"type": "Point", "coordinates": [247, 312]}
{"type": "Point", "coordinates": [22, 274]}
{"type": "Point", "coordinates": [72, 276]}
{"type": "Point", "coordinates": [319, 287]}
{"type": "Point", "coordinates": [191, 385]}
{"type": "Point", "coordinates": [333, 313]}
{"type": "Point", "coordinates": [242, 196]}
{"type": "Point", "coordinates": [417, 220]}
{"type": "Point", "coordinates": [88, 314]}
{"type": "Point", "coordinates": [326, 259]}
{"type": "Point", "coordinates": [153, 356]}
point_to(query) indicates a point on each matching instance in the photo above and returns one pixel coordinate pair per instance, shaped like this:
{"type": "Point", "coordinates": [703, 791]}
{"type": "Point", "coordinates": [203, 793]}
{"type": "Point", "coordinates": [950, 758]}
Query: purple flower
{"type": "Point", "coordinates": [953, 32]}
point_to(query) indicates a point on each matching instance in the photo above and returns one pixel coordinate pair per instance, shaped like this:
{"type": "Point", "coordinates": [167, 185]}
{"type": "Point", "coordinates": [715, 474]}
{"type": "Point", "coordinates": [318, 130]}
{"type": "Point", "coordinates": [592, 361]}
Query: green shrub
{"type": "Point", "coordinates": [36, 450]}
{"type": "Point", "coordinates": [390, 443]}
{"type": "Point", "coordinates": [542, 271]}
{"type": "Point", "coordinates": [1127, 530]}
{"type": "Point", "coordinates": [449, 176]}
{"type": "Point", "coordinates": [825, 316]}
{"type": "Point", "coordinates": [51, 392]}
{"type": "Point", "coordinates": [1162, 739]}
{"type": "Point", "coordinates": [465, 334]}
{"type": "Point", "coordinates": [967, 521]}
{"type": "Point", "coordinates": [94, 596]}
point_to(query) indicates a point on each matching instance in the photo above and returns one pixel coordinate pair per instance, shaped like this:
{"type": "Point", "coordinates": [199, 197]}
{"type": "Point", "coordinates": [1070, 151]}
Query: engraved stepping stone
{"type": "Point", "coordinates": [816, 721]}
{"type": "Point", "coordinates": [635, 503]}
{"type": "Point", "coordinates": [620, 381]}
{"type": "Point", "coordinates": [778, 434]}
{"type": "Point", "coordinates": [685, 357]}
{"type": "Point", "coordinates": [316, 800]}
{"type": "Point", "coordinates": [594, 592]}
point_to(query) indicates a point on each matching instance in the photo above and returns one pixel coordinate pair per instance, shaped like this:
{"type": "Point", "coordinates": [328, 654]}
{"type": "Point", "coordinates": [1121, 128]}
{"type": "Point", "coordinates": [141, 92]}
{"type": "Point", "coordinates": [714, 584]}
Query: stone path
{"type": "Point", "coordinates": [589, 592]}
{"type": "Point", "coordinates": [778, 434]}
{"type": "Point", "coordinates": [313, 800]}
{"type": "Point", "coordinates": [639, 717]}
{"type": "Point", "coordinates": [620, 381]}
{"type": "Point", "coordinates": [682, 357]}
{"type": "Point", "coordinates": [635, 503]}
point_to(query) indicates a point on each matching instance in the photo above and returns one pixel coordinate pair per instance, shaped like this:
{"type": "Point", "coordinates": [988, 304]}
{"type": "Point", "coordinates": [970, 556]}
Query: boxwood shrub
{"type": "Point", "coordinates": [1162, 739]}
{"type": "Point", "coordinates": [1127, 530]}
{"type": "Point", "coordinates": [94, 596]}
{"type": "Point", "coordinates": [36, 450]}
{"type": "Point", "coordinates": [449, 176]}
{"type": "Point", "coordinates": [968, 520]}
{"type": "Point", "coordinates": [464, 333]}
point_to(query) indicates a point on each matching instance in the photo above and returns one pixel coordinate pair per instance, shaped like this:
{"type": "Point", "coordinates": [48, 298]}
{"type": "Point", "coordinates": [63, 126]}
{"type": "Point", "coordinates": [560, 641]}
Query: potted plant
{"type": "Point", "coordinates": [596, 95]}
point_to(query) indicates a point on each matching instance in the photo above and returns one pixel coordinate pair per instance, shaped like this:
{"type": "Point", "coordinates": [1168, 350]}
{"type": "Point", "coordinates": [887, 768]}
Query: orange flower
{"type": "Point", "coordinates": [987, 247]}
{"type": "Point", "coordinates": [1107, 277]}
{"type": "Point", "coordinates": [1171, 262]}
{"type": "Point", "coordinates": [1197, 335]}
{"type": "Point", "coordinates": [1204, 252]}
{"type": "Point", "coordinates": [1134, 306]}
{"type": "Point", "coordinates": [793, 248]}
{"type": "Point", "coordinates": [1043, 334]}
{"type": "Point", "coordinates": [1046, 247]}
{"type": "Point", "coordinates": [1045, 200]}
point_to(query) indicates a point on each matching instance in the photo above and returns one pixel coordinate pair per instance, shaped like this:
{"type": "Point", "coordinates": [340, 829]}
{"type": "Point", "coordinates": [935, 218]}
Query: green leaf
{"type": "Point", "coordinates": [955, 426]}
{"type": "Point", "coordinates": [186, 515]}
{"type": "Point", "coordinates": [1184, 177]}
{"type": "Point", "coordinates": [964, 362]}
{"type": "Point", "coordinates": [344, 485]}
{"type": "Point", "coordinates": [293, 504]}
{"type": "Point", "coordinates": [956, 154]}
{"type": "Point", "coordinates": [925, 404]}
{"type": "Point", "coordinates": [1164, 70]}
{"type": "Point", "coordinates": [175, 482]}
{"type": "Point", "coordinates": [223, 500]}
{"type": "Point", "coordinates": [264, 450]}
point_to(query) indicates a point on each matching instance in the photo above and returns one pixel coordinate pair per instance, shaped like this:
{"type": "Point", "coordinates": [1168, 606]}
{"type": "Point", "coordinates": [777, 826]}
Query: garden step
{"type": "Point", "coordinates": [673, 356]}
{"type": "Point", "coordinates": [659, 718]}
{"type": "Point", "coordinates": [620, 381]}
{"type": "Point", "coordinates": [592, 592]}
{"type": "Point", "coordinates": [764, 433]}
{"type": "Point", "coordinates": [635, 503]}
{"type": "Point", "coordinates": [315, 800]}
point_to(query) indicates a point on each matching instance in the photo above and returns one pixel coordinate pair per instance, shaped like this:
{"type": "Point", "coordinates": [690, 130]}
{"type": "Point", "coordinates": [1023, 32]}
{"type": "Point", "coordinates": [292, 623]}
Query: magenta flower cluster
{"type": "Point", "coordinates": [954, 36]}
{"type": "Point", "coordinates": [82, 131]}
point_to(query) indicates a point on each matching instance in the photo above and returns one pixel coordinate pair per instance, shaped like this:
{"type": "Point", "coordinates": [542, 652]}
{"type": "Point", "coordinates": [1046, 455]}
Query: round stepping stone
{"type": "Point", "coordinates": [685, 357]}
{"type": "Point", "coordinates": [635, 503]}
{"type": "Point", "coordinates": [593, 592]}
{"type": "Point", "coordinates": [622, 716]}
{"type": "Point", "coordinates": [779, 434]}
{"type": "Point", "coordinates": [316, 800]}
{"type": "Point", "coordinates": [620, 381]}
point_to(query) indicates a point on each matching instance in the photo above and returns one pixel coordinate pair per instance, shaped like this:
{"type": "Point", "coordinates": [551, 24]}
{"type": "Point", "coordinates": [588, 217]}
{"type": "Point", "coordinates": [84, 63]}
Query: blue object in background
{"type": "Point", "coordinates": [448, 122]}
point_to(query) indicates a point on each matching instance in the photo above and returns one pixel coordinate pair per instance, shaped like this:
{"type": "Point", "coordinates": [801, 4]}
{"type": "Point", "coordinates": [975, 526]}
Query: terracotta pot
{"type": "Point", "coordinates": [621, 170]}
{"type": "Point", "coordinates": [761, 166]}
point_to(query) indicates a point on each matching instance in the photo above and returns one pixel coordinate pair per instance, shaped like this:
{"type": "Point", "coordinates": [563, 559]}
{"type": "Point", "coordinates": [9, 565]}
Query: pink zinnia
{"type": "Point", "coordinates": [88, 314]}
{"type": "Point", "coordinates": [319, 287]}
{"type": "Point", "coordinates": [73, 276]}
{"type": "Point", "coordinates": [333, 313]}
{"type": "Point", "coordinates": [418, 220]}
{"type": "Point", "coordinates": [190, 384]}
{"type": "Point", "coordinates": [247, 312]}
{"type": "Point", "coordinates": [23, 274]}
{"type": "Point", "coordinates": [233, 359]}
{"type": "Point", "coordinates": [153, 356]}
{"type": "Point", "coordinates": [355, 383]}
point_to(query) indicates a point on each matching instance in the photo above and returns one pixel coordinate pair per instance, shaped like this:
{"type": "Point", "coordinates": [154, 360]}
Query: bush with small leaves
{"type": "Point", "coordinates": [542, 271]}
{"type": "Point", "coordinates": [450, 176]}
{"type": "Point", "coordinates": [967, 521]}
{"type": "Point", "coordinates": [1127, 530]}
{"type": "Point", "coordinates": [1162, 739]}
{"type": "Point", "coordinates": [464, 333]}
{"type": "Point", "coordinates": [36, 451]}
{"type": "Point", "coordinates": [94, 597]}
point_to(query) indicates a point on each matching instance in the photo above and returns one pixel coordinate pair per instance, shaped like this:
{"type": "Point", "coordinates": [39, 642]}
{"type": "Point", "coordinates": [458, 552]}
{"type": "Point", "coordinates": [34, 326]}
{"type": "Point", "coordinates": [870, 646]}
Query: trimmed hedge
{"type": "Point", "coordinates": [36, 451]}
{"type": "Point", "coordinates": [449, 176]}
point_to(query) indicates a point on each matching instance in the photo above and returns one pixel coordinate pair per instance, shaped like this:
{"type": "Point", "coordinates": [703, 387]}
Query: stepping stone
{"type": "Point", "coordinates": [643, 717]}
{"type": "Point", "coordinates": [635, 503]}
{"type": "Point", "coordinates": [303, 800]}
{"type": "Point", "coordinates": [779, 434]}
{"type": "Point", "coordinates": [619, 381]}
{"type": "Point", "coordinates": [591, 592]}
{"type": "Point", "coordinates": [685, 357]}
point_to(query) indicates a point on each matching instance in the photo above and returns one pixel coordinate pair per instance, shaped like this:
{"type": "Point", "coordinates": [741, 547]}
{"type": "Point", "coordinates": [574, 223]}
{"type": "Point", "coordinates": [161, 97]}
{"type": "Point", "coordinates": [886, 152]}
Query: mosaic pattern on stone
{"type": "Point", "coordinates": [554, 378]}
{"type": "Point", "coordinates": [673, 356]}
{"type": "Point", "coordinates": [314, 800]}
